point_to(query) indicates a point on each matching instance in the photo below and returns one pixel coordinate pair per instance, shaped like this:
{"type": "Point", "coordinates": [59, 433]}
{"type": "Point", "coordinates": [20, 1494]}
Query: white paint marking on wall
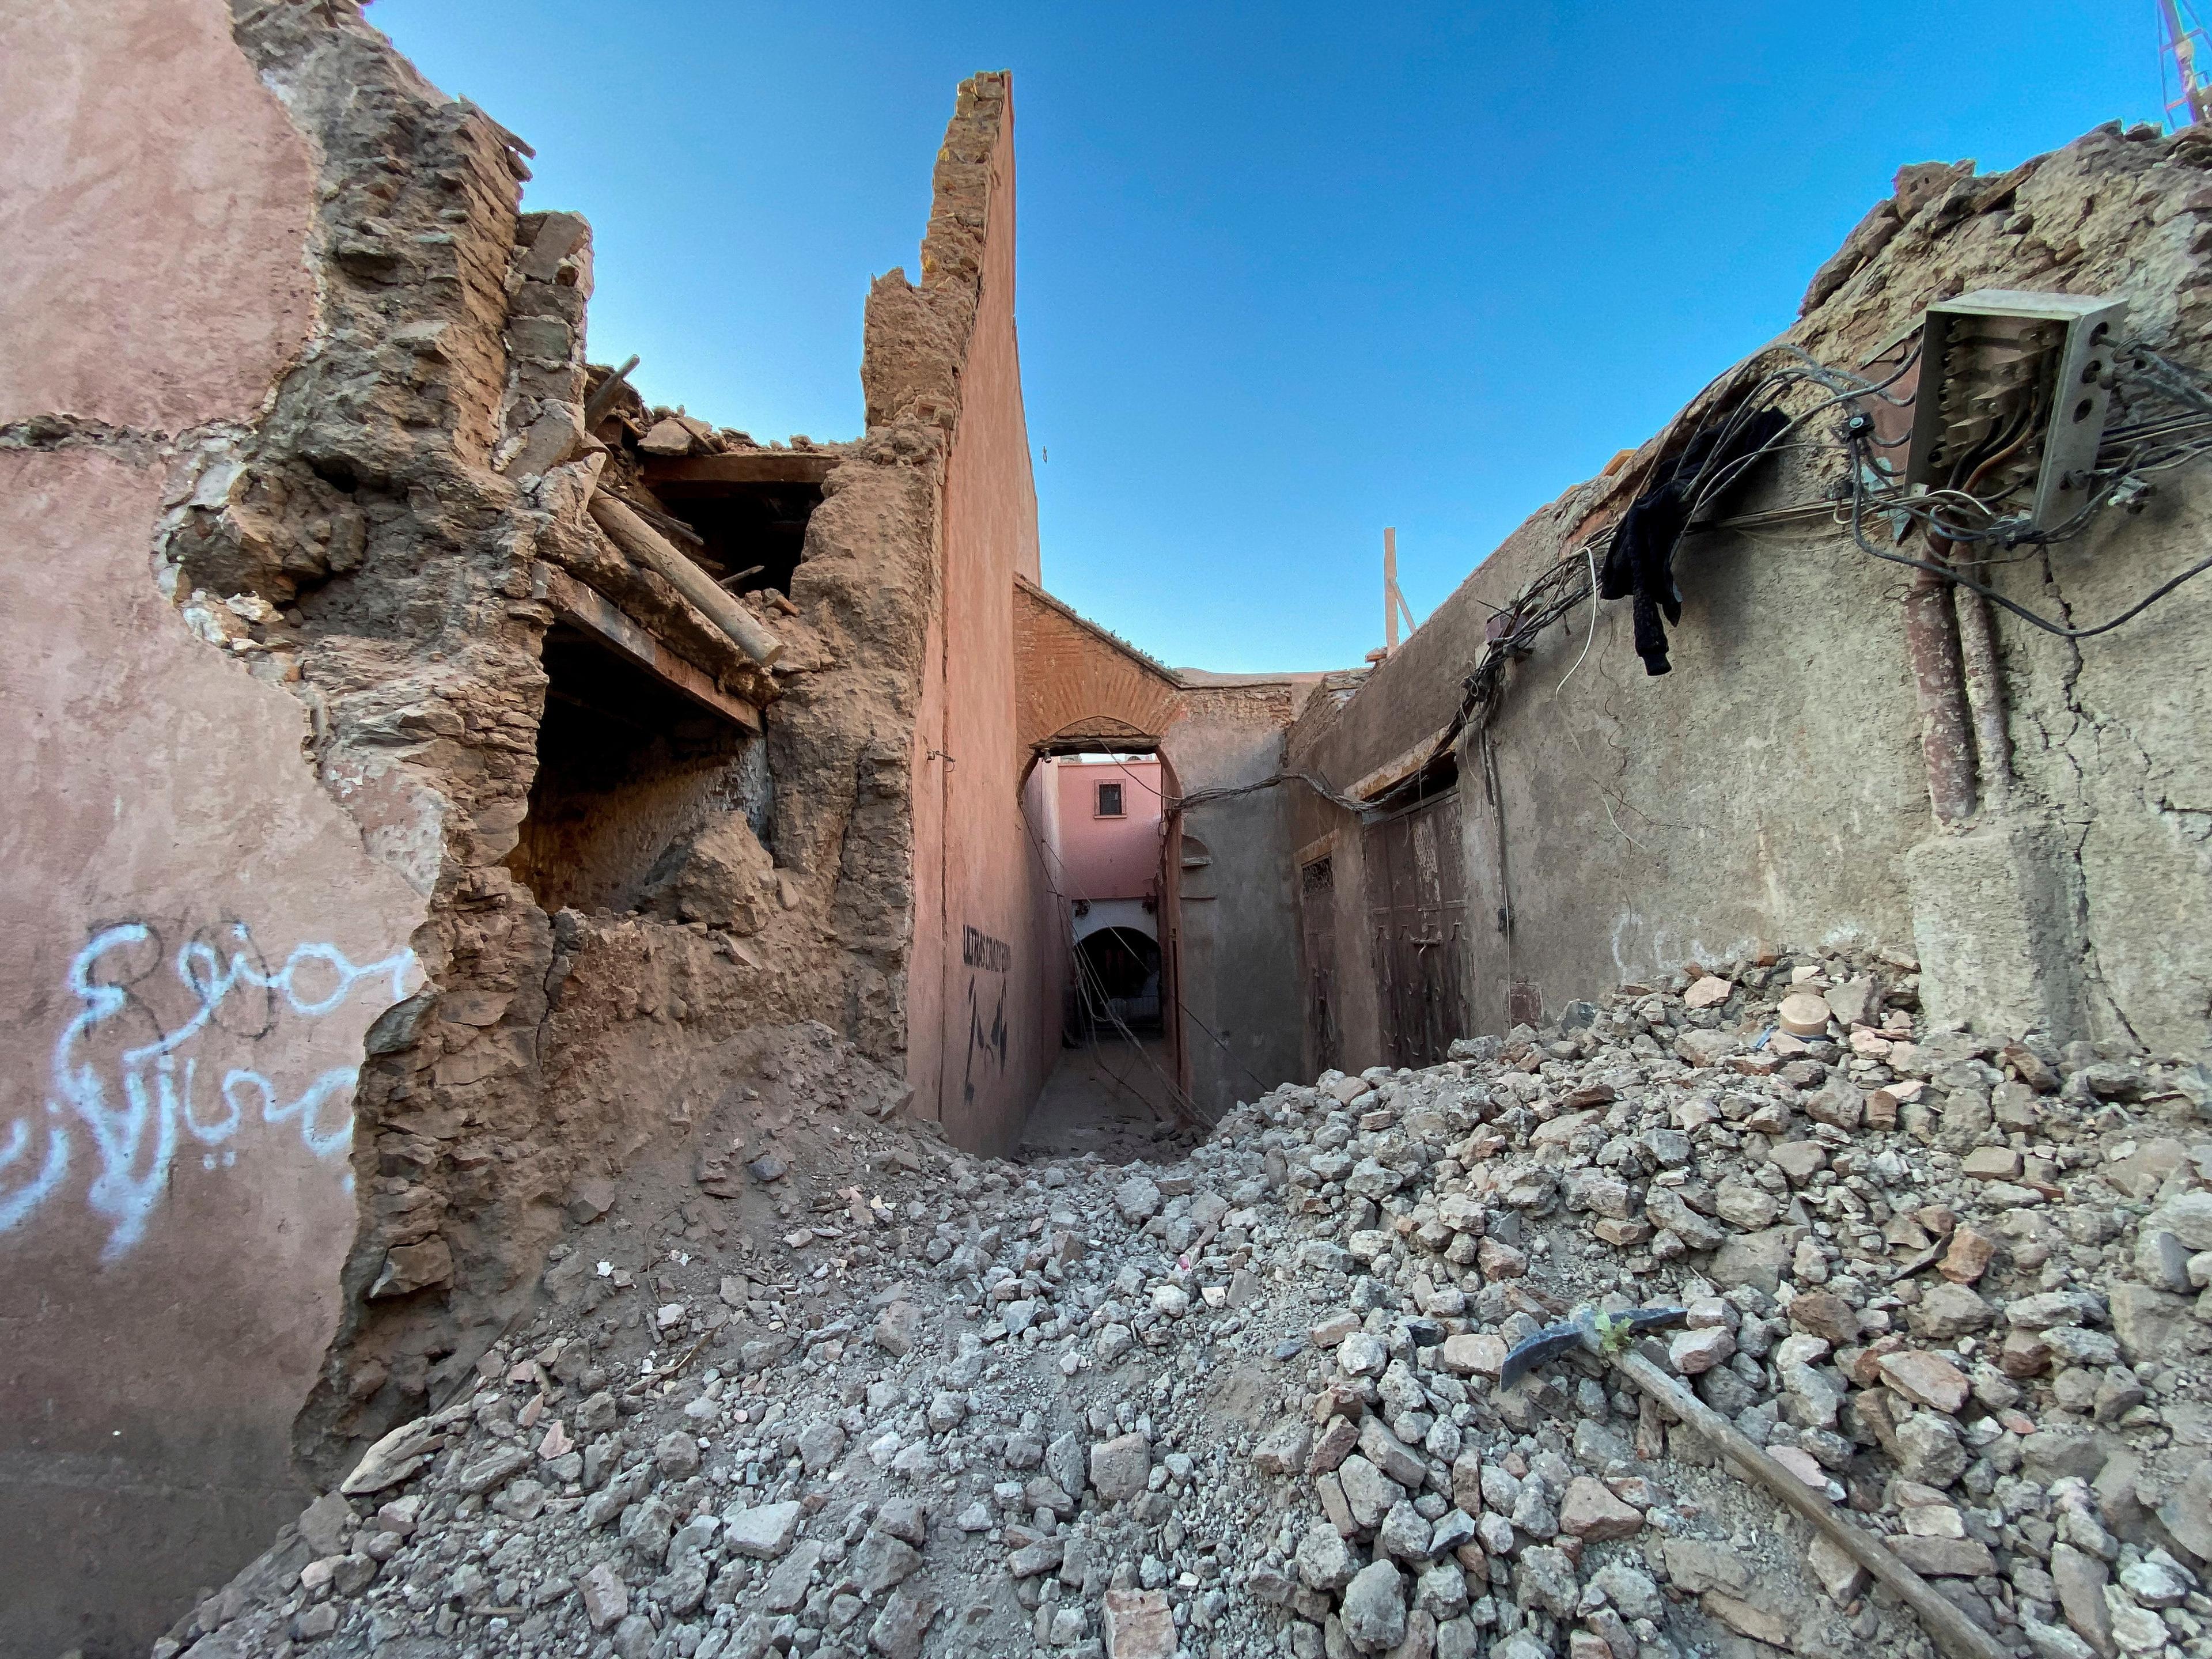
{"type": "Point", "coordinates": [137, 1109]}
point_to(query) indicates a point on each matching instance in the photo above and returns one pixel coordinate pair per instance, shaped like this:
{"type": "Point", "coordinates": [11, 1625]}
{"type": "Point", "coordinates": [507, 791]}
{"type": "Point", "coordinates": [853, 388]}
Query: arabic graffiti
{"type": "Point", "coordinates": [126, 1091]}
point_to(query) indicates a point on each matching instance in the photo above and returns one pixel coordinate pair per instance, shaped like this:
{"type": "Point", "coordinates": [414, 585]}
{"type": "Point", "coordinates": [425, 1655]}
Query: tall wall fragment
{"type": "Point", "coordinates": [984, 1019]}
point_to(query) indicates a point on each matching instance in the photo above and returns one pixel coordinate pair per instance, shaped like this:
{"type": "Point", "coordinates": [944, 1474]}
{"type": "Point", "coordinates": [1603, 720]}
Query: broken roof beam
{"type": "Point", "coordinates": [593, 613]}
{"type": "Point", "coordinates": [745, 466]}
{"type": "Point", "coordinates": [651, 549]}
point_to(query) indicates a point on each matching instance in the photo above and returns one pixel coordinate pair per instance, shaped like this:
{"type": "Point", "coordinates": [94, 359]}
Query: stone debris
{"type": "Point", "coordinates": [1005, 1416]}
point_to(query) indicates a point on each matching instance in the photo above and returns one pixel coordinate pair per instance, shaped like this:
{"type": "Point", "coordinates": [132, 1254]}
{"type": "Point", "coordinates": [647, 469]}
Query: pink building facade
{"type": "Point", "coordinates": [1108, 824]}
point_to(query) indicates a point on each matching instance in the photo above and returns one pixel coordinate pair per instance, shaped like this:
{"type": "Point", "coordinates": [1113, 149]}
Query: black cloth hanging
{"type": "Point", "coordinates": [1641, 562]}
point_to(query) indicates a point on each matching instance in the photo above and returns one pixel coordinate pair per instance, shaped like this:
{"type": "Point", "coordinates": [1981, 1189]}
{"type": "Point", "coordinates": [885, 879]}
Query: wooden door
{"type": "Point", "coordinates": [1317, 922]}
{"type": "Point", "coordinates": [1417, 914]}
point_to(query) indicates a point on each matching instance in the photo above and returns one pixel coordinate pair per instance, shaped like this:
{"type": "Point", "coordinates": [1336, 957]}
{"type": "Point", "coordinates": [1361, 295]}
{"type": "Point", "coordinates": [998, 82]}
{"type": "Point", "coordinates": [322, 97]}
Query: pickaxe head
{"type": "Point", "coordinates": [1587, 1328]}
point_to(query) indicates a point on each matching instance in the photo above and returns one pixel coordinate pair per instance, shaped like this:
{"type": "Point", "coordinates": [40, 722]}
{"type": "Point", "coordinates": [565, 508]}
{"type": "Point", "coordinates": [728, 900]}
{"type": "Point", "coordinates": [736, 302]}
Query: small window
{"type": "Point", "coordinates": [1109, 800]}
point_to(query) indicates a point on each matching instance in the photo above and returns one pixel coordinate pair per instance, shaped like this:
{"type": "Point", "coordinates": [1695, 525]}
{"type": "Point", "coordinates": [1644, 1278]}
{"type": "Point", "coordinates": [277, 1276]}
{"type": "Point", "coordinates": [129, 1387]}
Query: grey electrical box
{"type": "Point", "coordinates": [2012, 394]}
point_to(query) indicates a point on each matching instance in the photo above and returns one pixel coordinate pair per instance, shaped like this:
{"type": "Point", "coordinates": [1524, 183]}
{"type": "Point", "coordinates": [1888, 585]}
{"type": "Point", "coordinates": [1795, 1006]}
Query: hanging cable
{"type": "Point", "coordinates": [1949, 573]}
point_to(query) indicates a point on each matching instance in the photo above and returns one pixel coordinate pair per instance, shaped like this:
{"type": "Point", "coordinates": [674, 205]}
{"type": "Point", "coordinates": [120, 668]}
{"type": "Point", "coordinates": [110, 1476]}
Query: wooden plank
{"type": "Point", "coordinates": [649, 547]}
{"type": "Point", "coordinates": [598, 616]}
{"type": "Point", "coordinates": [1401, 767]}
{"type": "Point", "coordinates": [749, 466]}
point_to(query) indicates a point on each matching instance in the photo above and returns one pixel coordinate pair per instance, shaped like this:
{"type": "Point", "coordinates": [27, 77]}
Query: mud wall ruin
{"type": "Point", "coordinates": [195, 936]}
{"type": "Point", "coordinates": [1771, 788]}
{"type": "Point", "coordinates": [295, 400]}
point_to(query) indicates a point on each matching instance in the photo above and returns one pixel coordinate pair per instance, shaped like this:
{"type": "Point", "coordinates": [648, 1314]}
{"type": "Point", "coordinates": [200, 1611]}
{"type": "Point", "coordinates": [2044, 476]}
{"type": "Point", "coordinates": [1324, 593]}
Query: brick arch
{"type": "Point", "coordinates": [1077, 684]}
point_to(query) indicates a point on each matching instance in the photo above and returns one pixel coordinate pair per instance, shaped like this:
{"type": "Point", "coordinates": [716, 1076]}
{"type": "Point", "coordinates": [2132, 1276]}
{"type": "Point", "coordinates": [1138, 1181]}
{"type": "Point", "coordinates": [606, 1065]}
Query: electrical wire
{"type": "Point", "coordinates": [1950, 572]}
{"type": "Point", "coordinates": [1590, 632]}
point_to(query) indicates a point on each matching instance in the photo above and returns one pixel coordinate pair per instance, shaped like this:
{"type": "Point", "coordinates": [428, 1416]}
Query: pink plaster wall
{"type": "Point", "coordinates": [1109, 857]}
{"type": "Point", "coordinates": [193, 940]}
{"type": "Point", "coordinates": [192, 943]}
{"type": "Point", "coordinates": [994, 1009]}
{"type": "Point", "coordinates": [154, 205]}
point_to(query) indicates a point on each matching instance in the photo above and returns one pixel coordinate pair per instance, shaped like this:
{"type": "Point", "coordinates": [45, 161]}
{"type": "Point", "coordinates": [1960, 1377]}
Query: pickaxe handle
{"type": "Point", "coordinates": [1960, 1636]}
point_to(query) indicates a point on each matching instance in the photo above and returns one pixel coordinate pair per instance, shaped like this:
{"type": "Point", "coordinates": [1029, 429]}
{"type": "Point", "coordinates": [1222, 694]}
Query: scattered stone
{"type": "Point", "coordinates": [763, 1532]}
{"type": "Point", "coordinates": [1139, 1625]}
{"type": "Point", "coordinates": [1374, 1613]}
{"type": "Point", "coordinates": [1120, 1468]}
{"type": "Point", "coordinates": [1589, 1512]}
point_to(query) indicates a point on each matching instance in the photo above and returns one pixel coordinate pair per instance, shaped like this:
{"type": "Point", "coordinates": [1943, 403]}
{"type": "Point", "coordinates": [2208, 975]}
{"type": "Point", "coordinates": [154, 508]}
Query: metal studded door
{"type": "Point", "coordinates": [1317, 918]}
{"type": "Point", "coordinates": [1417, 914]}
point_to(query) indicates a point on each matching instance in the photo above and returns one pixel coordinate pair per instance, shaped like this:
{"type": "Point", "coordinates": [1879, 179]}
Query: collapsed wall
{"type": "Point", "coordinates": [1611, 825]}
{"type": "Point", "coordinates": [325, 815]}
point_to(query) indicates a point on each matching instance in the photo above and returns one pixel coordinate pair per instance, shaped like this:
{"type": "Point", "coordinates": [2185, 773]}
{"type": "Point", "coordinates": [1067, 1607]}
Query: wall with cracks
{"type": "Point", "coordinates": [196, 934]}
{"type": "Point", "coordinates": [291, 415]}
{"type": "Point", "coordinates": [1617, 827]}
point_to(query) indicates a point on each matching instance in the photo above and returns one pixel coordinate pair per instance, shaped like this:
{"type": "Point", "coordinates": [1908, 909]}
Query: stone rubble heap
{"type": "Point", "coordinates": [1247, 1404]}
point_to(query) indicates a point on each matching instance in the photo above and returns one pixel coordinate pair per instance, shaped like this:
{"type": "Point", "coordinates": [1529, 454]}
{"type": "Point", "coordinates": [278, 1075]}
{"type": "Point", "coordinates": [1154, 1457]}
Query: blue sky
{"type": "Point", "coordinates": [1290, 272]}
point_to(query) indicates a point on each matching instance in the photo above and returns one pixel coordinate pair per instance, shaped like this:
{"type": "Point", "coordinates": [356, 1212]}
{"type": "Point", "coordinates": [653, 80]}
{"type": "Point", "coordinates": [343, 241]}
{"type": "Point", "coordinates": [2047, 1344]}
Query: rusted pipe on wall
{"type": "Point", "coordinates": [1978, 652]}
{"type": "Point", "coordinates": [1931, 644]}
{"type": "Point", "coordinates": [646, 544]}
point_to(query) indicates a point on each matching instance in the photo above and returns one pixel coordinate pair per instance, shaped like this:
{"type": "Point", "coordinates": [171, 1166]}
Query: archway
{"type": "Point", "coordinates": [1117, 982]}
{"type": "Point", "coordinates": [1090, 713]}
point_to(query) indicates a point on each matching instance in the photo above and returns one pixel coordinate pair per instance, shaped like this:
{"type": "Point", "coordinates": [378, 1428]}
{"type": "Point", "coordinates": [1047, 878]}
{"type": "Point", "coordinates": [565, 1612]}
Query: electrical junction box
{"type": "Point", "coordinates": [2013, 393]}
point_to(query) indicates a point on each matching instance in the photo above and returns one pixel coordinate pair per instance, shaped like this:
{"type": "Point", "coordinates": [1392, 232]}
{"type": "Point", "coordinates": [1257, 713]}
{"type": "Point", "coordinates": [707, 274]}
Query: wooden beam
{"type": "Point", "coordinates": [588, 608]}
{"type": "Point", "coordinates": [651, 549]}
{"type": "Point", "coordinates": [749, 466]}
{"type": "Point", "coordinates": [1390, 590]}
{"type": "Point", "coordinates": [603, 398]}
{"type": "Point", "coordinates": [1399, 767]}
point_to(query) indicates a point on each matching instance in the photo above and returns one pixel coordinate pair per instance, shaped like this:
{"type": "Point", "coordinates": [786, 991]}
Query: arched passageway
{"type": "Point", "coordinates": [1116, 984]}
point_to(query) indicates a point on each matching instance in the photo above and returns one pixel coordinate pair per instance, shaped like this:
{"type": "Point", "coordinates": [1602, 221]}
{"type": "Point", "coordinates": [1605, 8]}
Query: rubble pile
{"type": "Point", "coordinates": [851, 1393]}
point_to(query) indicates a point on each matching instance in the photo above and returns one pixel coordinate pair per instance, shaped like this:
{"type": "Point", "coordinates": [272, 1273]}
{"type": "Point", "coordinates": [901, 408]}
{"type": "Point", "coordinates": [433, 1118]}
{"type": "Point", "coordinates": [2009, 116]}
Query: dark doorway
{"type": "Point", "coordinates": [1417, 914]}
{"type": "Point", "coordinates": [1117, 983]}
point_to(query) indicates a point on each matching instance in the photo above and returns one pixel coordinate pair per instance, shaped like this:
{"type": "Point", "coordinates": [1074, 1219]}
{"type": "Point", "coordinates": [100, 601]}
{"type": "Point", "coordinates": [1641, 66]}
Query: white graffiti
{"type": "Point", "coordinates": [132, 1105]}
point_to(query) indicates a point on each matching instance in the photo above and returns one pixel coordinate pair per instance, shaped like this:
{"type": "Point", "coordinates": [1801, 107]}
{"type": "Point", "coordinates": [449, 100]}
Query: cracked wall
{"type": "Point", "coordinates": [1771, 788]}
{"type": "Point", "coordinates": [195, 936]}
{"type": "Point", "coordinates": [296, 404]}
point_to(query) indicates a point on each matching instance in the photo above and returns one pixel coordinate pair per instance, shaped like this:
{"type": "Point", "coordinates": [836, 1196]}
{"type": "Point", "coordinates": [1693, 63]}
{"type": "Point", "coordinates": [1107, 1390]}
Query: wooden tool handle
{"type": "Point", "coordinates": [1958, 1635]}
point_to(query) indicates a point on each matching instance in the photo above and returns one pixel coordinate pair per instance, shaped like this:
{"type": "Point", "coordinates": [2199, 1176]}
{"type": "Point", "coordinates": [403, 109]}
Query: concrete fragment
{"type": "Point", "coordinates": [606, 1598]}
{"type": "Point", "coordinates": [763, 1532]}
{"type": "Point", "coordinates": [1691, 1353]}
{"type": "Point", "coordinates": [1374, 1612]}
{"type": "Point", "coordinates": [1591, 1512]}
{"type": "Point", "coordinates": [1803, 1014]}
{"type": "Point", "coordinates": [1283, 1449]}
{"type": "Point", "coordinates": [896, 1328]}
{"type": "Point", "coordinates": [1926, 1379]}
{"type": "Point", "coordinates": [1119, 1467]}
{"type": "Point", "coordinates": [1139, 1624]}
{"type": "Point", "coordinates": [1747, 1620]}
{"type": "Point", "coordinates": [1695, 1565]}
{"type": "Point", "coordinates": [900, 1628]}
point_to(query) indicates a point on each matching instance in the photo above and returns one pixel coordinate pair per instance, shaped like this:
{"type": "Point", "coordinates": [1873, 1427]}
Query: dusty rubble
{"type": "Point", "coordinates": [841, 1390]}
